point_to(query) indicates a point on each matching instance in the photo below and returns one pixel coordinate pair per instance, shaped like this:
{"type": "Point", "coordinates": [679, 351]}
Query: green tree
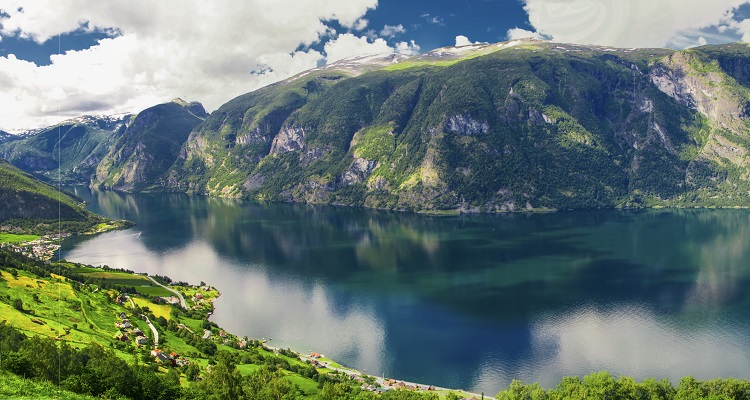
{"type": "Point", "coordinates": [192, 372]}
{"type": "Point", "coordinates": [518, 391]}
{"type": "Point", "coordinates": [658, 390]}
{"type": "Point", "coordinates": [223, 381]}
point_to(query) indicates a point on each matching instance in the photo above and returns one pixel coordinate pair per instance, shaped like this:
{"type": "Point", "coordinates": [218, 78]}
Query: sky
{"type": "Point", "coordinates": [64, 58]}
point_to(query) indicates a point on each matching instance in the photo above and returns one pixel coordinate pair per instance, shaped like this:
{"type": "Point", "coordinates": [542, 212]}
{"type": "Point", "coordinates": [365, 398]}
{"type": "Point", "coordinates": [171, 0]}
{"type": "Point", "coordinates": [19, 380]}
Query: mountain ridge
{"type": "Point", "coordinates": [512, 126]}
{"type": "Point", "coordinates": [580, 104]}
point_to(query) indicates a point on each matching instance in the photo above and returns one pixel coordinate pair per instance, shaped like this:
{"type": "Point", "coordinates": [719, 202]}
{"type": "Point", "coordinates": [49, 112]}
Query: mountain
{"type": "Point", "coordinates": [69, 151]}
{"type": "Point", "coordinates": [520, 125]}
{"type": "Point", "coordinates": [27, 198]}
{"type": "Point", "coordinates": [500, 127]}
{"type": "Point", "coordinates": [148, 146]}
{"type": "Point", "coordinates": [5, 136]}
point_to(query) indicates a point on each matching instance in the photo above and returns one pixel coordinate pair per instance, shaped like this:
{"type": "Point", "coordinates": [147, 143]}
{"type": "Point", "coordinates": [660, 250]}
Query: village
{"type": "Point", "coordinates": [202, 300]}
{"type": "Point", "coordinates": [43, 248]}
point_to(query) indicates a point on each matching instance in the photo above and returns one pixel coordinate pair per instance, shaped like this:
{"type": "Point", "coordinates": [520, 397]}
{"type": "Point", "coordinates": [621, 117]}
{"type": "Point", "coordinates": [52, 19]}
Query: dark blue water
{"type": "Point", "coordinates": [464, 301]}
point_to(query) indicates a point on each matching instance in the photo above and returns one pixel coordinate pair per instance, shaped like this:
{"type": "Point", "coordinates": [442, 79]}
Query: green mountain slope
{"type": "Point", "coordinates": [502, 127]}
{"type": "Point", "coordinates": [32, 204]}
{"type": "Point", "coordinates": [69, 151]}
{"type": "Point", "coordinates": [5, 136]}
{"type": "Point", "coordinates": [148, 147]}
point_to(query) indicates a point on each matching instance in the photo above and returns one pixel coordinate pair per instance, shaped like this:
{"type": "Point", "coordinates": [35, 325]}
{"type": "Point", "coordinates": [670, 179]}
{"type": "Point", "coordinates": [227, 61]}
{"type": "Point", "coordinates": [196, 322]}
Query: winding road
{"type": "Point", "coordinates": [182, 299]}
{"type": "Point", "coordinates": [151, 326]}
{"type": "Point", "coordinates": [154, 331]}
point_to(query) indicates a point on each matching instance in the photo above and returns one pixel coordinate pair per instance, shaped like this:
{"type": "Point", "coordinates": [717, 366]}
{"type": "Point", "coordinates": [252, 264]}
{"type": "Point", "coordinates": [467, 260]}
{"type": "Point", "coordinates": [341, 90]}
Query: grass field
{"type": "Point", "coordinates": [14, 238]}
{"type": "Point", "coordinates": [153, 291]}
{"type": "Point", "coordinates": [308, 386]}
{"type": "Point", "coordinates": [159, 310]}
{"type": "Point", "coordinates": [142, 284]}
{"type": "Point", "coordinates": [58, 309]}
{"type": "Point", "coordinates": [247, 369]}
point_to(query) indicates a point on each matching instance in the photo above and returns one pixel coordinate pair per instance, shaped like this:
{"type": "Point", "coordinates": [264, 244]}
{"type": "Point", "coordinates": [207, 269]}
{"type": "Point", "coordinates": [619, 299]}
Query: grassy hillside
{"type": "Point", "coordinates": [76, 304]}
{"type": "Point", "coordinates": [34, 206]}
{"type": "Point", "coordinates": [16, 387]}
{"type": "Point", "coordinates": [518, 126]}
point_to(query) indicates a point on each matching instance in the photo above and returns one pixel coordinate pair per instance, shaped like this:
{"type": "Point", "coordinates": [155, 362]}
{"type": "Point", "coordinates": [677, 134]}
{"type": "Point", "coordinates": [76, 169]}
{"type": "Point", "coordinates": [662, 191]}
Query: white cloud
{"type": "Point", "coordinates": [348, 45]}
{"type": "Point", "coordinates": [519, 33]}
{"type": "Point", "coordinates": [392, 30]}
{"type": "Point", "coordinates": [409, 48]}
{"type": "Point", "coordinates": [743, 28]}
{"type": "Point", "coordinates": [170, 48]}
{"type": "Point", "coordinates": [462, 40]}
{"type": "Point", "coordinates": [360, 24]}
{"type": "Point", "coordinates": [437, 20]}
{"type": "Point", "coordinates": [625, 23]}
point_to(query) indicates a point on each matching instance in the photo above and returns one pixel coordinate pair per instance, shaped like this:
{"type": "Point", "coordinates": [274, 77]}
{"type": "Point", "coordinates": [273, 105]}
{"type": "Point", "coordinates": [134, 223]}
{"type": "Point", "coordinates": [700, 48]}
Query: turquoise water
{"type": "Point", "coordinates": [464, 301]}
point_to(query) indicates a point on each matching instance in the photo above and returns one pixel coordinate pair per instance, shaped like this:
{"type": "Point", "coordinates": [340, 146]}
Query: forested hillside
{"type": "Point", "coordinates": [34, 206]}
{"type": "Point", "coordinates": [513, 126]}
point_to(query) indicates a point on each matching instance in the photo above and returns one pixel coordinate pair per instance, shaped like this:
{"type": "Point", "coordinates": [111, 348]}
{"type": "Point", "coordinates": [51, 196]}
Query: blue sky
{"type": "Point", "coordinates": [64, 58]}
{"type": "Point", "coordinates": [430, 23]}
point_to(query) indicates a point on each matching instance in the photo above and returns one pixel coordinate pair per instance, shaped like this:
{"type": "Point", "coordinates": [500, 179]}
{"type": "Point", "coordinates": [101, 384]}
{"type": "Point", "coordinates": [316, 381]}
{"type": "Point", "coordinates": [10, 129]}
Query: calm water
{"type": "Point", "coordinates": [469, 301]}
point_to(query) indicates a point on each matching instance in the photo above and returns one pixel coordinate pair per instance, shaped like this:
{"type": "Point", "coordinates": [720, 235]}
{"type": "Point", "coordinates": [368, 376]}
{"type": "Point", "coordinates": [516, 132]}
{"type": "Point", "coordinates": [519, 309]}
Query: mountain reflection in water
{"type": "Point", "coordinates": [461, 301]}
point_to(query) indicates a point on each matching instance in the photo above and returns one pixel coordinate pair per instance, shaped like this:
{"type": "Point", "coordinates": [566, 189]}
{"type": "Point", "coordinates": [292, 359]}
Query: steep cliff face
{"type": "Point", "coordinates": [713, 82]}
{"type": "Point", "coordinates": [151, 143]}
{"type": "Point", "coordinates": [521, 125]}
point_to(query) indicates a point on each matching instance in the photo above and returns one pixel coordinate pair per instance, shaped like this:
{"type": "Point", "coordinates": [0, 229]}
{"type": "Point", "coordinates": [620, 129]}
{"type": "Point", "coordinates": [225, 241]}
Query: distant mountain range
{"type": "Point", "coordinates": [521, 125]}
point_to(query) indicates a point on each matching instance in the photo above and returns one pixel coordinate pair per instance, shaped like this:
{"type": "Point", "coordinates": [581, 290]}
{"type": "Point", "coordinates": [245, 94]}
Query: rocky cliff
{"type": "Point", "coordinates": [511, 126]}
{"type": "Point", "coordinates": [148, 147]}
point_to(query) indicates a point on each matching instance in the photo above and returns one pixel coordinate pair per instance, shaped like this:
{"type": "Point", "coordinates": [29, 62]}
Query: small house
{"type": "Point", "coordinates": [207, 334]}
{"type": "Point", "coordinates": [164, 358]}
{"type": "Point", "coordinates": [141, 340]}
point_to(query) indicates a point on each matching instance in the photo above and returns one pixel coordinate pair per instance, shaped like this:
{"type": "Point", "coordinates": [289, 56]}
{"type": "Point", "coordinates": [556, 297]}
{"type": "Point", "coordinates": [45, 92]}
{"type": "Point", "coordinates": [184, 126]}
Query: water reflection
{"type": "Point", "coordinates": [630, 339]}
{"type": "Point", "coordinates": [469, 301]}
